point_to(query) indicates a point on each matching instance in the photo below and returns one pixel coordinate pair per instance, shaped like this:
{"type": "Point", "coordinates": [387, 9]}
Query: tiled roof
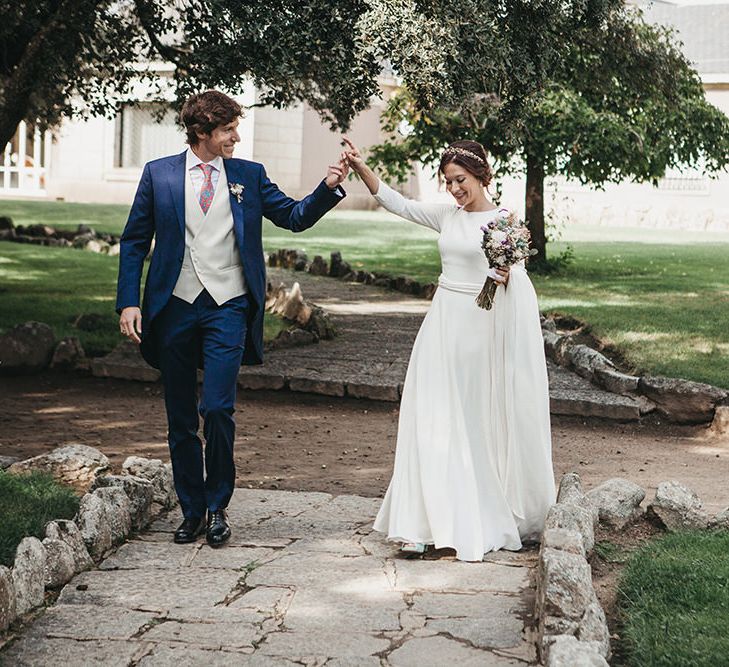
{"type": "Point", "coordinates": [703, 29]}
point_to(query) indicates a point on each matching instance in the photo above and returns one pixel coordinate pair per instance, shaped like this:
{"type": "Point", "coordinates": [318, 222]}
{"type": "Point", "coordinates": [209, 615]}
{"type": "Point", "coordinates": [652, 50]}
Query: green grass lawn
{"type": "Point", "coordinates": [674, 601]}
{"type": "Point", "coordinates": [660, 297]}
{"type": "Point", "coordinates": [27, 504]}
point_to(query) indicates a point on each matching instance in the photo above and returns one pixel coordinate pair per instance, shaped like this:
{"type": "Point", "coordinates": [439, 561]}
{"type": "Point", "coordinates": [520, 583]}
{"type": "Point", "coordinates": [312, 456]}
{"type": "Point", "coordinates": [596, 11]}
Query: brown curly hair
{"type": "Point", "coordinates": [470, 155]}
{"type": "Point", "coordinates": [203, 112]}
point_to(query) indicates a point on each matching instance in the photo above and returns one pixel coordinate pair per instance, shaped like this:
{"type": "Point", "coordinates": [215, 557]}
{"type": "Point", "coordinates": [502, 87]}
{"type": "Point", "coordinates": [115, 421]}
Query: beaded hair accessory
{"type": "Point", "coordinates": [455, 150]}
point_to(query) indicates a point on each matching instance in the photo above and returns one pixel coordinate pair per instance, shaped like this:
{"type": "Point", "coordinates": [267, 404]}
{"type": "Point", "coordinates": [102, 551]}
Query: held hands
{"type": "Point", "coordinates": [130, 323]}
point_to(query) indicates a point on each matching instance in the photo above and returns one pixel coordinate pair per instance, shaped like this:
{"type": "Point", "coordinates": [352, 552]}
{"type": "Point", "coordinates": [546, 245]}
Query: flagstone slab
{"type": "Point", "coordinates": [443, 651]}
{"type": "Point", "coordinates": [29, 652]}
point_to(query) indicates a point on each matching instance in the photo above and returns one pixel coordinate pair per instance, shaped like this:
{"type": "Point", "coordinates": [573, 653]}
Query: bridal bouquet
{"type": "Point", "coordinates": [505, 242]}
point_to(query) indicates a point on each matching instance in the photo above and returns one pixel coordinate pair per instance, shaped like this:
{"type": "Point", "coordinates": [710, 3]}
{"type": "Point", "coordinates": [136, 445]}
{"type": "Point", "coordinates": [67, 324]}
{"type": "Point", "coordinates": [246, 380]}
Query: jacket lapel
{"type": "Point", "coordinates": [233, 176]}
{"type": "Point", "coordinates": [176, 182]}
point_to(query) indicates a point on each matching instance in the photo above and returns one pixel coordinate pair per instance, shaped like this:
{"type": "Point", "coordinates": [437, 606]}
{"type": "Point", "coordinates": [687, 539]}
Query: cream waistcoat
{"type": "Point", "coordinates": [212, 260]}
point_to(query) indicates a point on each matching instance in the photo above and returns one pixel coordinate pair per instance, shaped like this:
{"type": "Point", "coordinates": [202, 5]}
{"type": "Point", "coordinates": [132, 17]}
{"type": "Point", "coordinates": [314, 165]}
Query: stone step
{"type": "Point", "coordinates": [322, 373]}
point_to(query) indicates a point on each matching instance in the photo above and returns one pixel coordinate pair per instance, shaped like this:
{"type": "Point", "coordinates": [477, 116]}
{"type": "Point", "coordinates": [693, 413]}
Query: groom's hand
{"type": "Point", "coordinates": [130, 323]}
{"type": "Point", "coordinates": [336, 173]}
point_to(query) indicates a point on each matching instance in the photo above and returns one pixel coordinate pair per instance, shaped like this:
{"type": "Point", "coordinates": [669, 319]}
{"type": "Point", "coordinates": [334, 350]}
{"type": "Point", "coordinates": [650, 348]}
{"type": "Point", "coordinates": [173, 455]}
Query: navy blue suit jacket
{"type": "Point", "coordinates": [159, 211]}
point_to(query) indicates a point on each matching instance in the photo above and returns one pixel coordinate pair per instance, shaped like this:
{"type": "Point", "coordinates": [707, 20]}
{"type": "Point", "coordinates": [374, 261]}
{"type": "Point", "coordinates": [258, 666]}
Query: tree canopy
{"type": "Point", "coordinates": [620, 102]}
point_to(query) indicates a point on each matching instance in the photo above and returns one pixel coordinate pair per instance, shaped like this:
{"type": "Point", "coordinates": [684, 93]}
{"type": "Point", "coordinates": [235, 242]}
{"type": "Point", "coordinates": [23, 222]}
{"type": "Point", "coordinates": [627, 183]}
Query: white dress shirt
{"type": "Point", "coordinates": [196, 174]}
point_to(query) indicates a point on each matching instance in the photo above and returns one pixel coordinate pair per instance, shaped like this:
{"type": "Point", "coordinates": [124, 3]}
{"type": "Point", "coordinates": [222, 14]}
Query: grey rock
{"type": "Point", "coordinates": [721, 520]}
{"type": "Point", "coordinates": [564, 592]}
{"type": "Point", "coordinates": [26, 348]}
{"type": "Point", "coordinates": [563, 539]}
{"type": "Point", "coordinates": [7, 461]}
{"type": "Point", "coordinates": [683, 401]}
{"type": "Point", "coordinates": [320, 324]}
{"type": "Point", "coordinates": [294, 337]}
{"type": "Point", "coordinates": [548, 324]}
{"type": "Point", "coordinates": [93, 245]}
{"type": "Point", "coordinates": [374, 391]}
{"type": "Point", "coordinates": [615, 381]}
{"type": "Point", "coordinates": [6, 223]}
{"type": "Point", "coordinates": [251, 377]}
{"type": "Point", "coordinates": [573, 517]}
{"type": "Point", "coordinates": [7, 599]}
{"type": "Point", "coordinates": [118, 512]}
{"type": "Point", "coordinates": [567, 651]}
{"type": "Point", "coordinates": [140, 493]}
{"type": "Point", "coordinates": [28, 575]}
{"type": "Point", "coordinates": [95, 525]}
{"type": "Point", "coordinates": [158, 473]}
{"type": "Point", "coordinates": [124, 362]}
{"type": "Point", "coordinates": [60, 563]}
{"type": "Point", "coordinates": [114, 249]}
{"type": "Point", "coordinates": [319, 266]}
{"type": "Point", "coordinates": [69, 533]}
{"type": "Point", "coordinates": [618, 502]}
{"type": "Point", "coordinates": [552, 341]}
{"type": "Point", "coordinates": [587, 361]}
{"type": "Point", "coordinates": [75, 465]}
{"type": "Point", "coordinates": [720, 423]}
{"type": "Point", "coordinates": [570, 491]}
{"type": "Point", "coordinates": [440, 651]}
{"type": "Point", "coordinates": [312, 385]}
{"type": "Point", "coordinates": [594, 628]}
{"type": "Point", "coordinates": [68, 353]}
{"type": "Point", "coordinates": [677, 507]}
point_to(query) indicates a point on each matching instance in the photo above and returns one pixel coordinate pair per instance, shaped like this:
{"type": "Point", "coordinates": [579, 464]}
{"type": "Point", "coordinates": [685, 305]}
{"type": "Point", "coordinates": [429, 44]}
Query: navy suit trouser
{"type": "Point", "coordinates": [189, 333]}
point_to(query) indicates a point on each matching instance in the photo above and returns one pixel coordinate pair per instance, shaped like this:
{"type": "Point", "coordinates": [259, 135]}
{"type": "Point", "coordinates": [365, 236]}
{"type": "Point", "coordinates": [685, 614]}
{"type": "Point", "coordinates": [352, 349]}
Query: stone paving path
{"type": "Point", "coordinates": [369, 357]}
{"type": "Point", "coordinates": [303, 581]}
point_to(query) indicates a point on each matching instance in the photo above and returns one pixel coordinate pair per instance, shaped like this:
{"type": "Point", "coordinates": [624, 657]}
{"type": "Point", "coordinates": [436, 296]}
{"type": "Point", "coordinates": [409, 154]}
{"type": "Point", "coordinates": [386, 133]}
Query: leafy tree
{"type": "Point", "coordinates": [622, 103]}
{"type": "Point", "coordinates": [65, 57]}
{"type": "Point", "coordinates": [83, 57]}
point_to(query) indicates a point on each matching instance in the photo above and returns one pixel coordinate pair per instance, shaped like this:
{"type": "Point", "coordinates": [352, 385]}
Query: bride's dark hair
{"type": "Point", "coordinates": [470, 155]}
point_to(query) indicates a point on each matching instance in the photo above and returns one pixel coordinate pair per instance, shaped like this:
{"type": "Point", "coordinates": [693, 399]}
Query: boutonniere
{"type": "Point", "coordinates": [236, 189]}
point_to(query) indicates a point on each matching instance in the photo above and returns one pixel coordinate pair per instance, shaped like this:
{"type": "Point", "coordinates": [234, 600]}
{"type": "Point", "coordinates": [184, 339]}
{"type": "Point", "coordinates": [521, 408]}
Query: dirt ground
{"type": "Point", "coordinates": [295, 441]}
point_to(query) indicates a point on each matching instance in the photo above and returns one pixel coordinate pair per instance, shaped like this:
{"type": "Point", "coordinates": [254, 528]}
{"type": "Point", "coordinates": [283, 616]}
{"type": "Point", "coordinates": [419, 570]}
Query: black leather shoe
{"type": "Point", "coordinates": [189, 530]}
{"type": "Point", "coordinates": [218, 530]}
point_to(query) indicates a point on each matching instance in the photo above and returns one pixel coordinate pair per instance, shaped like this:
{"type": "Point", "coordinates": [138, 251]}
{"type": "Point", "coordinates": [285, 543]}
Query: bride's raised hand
{"type": "Point", "coordinates": [354, 157]}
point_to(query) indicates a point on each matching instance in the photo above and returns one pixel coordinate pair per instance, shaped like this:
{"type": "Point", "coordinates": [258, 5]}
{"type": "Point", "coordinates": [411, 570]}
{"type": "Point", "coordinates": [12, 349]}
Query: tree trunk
{"type": "Point", "coordinates": [534, 207]}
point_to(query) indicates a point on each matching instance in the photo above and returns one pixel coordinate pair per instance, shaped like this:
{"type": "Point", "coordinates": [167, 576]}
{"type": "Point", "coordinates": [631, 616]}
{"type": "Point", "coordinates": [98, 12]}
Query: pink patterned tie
{"type": "Point", "coordinates": [207, 191]}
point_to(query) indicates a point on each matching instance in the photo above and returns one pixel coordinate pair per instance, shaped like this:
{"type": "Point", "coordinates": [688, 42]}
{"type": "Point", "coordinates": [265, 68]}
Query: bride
{"type": "Point", "coordinates": [473, 468]}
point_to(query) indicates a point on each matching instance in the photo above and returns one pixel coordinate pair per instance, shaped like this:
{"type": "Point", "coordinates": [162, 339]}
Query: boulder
{"type": "Point", "coordinates": [158, 473]}
{"type": "Point", "coordinates": [570, 491]}
{"type": "Point", "coordinates": [593, 628]}
{"type": "Point", "coordinates": [7, 599]}
{"type": "Point", "coordinates": [567, 651]}
{"type": "Point", "coordinates": [564, 592]}
{"type": "Point", "coordinates": [320, 324]}
{"type": "Point", "coordinates": [75, 465]}
{"type": "Point", "coordinates": [677, 507]}
{"type": "Point", "coordinates": [337, 268]}
{"type": "Point", "coordinates": [7, 461]}
{"type": "Point", "coordinates": [615, 381]}
{"type": "Point", "coordinates": [682, 401]}
{"type": "Point", "coordinates": [68, 533]}
{"type": "Point", "coordinates": [118, 512]}
{"type": "Point", "coordinates": [94, 524]}
{"type": "Point", "coordinates": [720, 423]}
{"type": "Point", "coordinates": [28, 575]}
{"type": "Point", "coordinates": [618, 502]}
{"type": "Point", "coordinates": [68, 353]}
{"type": "Point", "coordinates": [721, 520]}
{"type": "Point", "coordinates": [6, 223]}
{"type": "Point", "coordinates": [140, 493]}
{"type": "Point", "coordinates": [551, 342]}
{"type": "Point", "coordinates": [572, 517]}
{"type": "Point", "coordinates": [586, 361]}
{"type": "Point", "coordinates": [60, 563]}
{"type": "Point", "coordinates": [293, 337]}
{"type": "Point", "coordinates": [319, 266]}
{"type": "Point", "coordinates": [93, 245]}
{"type": "Point", "coordinates": [428, 290]}
{"type": "Point", "coordinates": [563, 539]}
{"type": "Point", "coordinates": [26, 348]}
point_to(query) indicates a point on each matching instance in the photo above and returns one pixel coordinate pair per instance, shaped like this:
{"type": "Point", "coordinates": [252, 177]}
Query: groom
{"type": "Point", "coordinates": [205, 292]}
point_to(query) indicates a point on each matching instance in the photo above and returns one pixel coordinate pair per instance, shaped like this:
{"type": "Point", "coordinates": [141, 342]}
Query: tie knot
{"type": "Point", "coordinates": [207, 169]}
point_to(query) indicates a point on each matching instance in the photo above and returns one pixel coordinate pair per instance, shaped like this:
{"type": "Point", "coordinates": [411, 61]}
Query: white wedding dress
{"type": "Point", "coordinates": [473, 467]}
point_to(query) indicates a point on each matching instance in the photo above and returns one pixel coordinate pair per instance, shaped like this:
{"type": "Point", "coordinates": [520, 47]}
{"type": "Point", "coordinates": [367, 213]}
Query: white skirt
{"type": "Point", "coordinates": [473, 467]}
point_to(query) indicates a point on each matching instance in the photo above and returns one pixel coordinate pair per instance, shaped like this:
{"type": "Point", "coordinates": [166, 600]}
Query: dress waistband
{"type": "Point", "coordinates": [463, 288]}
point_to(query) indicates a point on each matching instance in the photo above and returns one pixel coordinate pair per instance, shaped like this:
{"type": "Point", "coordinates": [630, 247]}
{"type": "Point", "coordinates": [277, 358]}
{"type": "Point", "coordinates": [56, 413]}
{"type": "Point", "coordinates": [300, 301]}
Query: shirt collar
{"type": "Point", "coordinates": [192, 160]}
